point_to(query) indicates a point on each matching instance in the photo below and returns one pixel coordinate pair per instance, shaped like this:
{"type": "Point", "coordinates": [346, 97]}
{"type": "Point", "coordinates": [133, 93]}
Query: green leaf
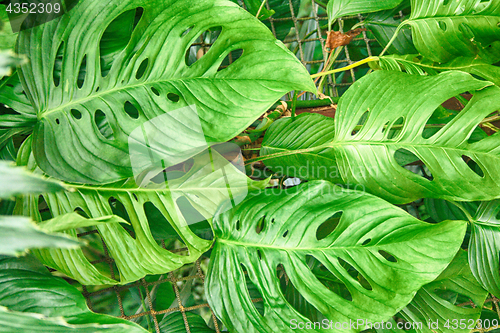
{"type": "Point", "coordinates": [484, 247]}
{"type": "Point", "coordinates": [210, 181]}
{"type": "Point", "coordinates": [148, 78]}
{"type": "Point", "coordinates": [338, 8]}
{"type": "Point", "coordinates": [380, 253]}
{"type": "Point", "coordinates": [435, 302]}
{"type": "Point", "coordinates": [383, 25]}
{"type": "Point", "coordinates": [392, 109]}
{"type": "Point", "coordinates": [7, 37]}
{"type": "Point", "coordinates": [18, 233]}
{"type": "Point", "coordinates": [413, 65]}
{"type": "Point", "coordinates": [253, 7]}
{"type": "Point", "coordinates": [444, 30]}
{"type": "Point", "coordinates": [16, 181]}
{"type": "Point", "coordinates": [36, 301]}
{"type": "Point", "coordinates": [174, 323]}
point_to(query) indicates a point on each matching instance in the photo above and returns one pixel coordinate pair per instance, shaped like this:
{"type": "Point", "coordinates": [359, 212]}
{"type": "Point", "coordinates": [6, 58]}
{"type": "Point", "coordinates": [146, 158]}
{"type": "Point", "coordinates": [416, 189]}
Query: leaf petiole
{"type": "Point", "coordinates": [346, 68]}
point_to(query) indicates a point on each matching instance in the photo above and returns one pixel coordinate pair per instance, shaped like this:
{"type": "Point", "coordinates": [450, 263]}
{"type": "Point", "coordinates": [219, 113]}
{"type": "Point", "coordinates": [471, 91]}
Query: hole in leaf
{"type": "Point", "coordinates": [230, 58]}
{"type": "Point", "coordinates": [259, 254]}
{"type": "Point", "coordinates": [160, 227]}
{"type": "Point", "coordinates": [395, 128]}
{"type": "Point", "coordinates": [328, 279]}
{"type": "Point", "coordinates": [473, 166]}
{"type": "Point", "coordinates": [116, 37]}
{"type": "Point", "coordinates": [202, 44]}
{"type": "Point", "coordinates": [387, 256]}
{"type": "Point", "coordinates": [131, 110]}
{"type": "Point", "coordinates": [173, 97]}
{"type": "Point", "coordinates": [411, 162]}
{"type": "Point", "coordinates": [366, 242]}
{"type": "Point", "coordinates": [155, 91]}
{"type": "Point", "coordinates": [285, 234]}
{"type": "Point", "coordinates": [43, 208]}
{"type": "Point", "coordinates": [135, 197]}
{"type": "Point", "coordinates": [103, 126]}
{"type": "Point", "coordinates": [195, 221]}
{"type": "Point", "coordinates": [327, 227]}
{"type": "Point", "coordinates": [80, 212]}
{"type": "Point", "coordinates": [261, 224]}
{"type": "Point", "coordinates": [56, 72]}
{"type": "Point", "coordinates": [253, 291]}
{"type": "Point", "coordinates": [442, 25]}
{"type": "Point", "coordinates": [119, 209]}
{"type": "Point", "coordinates": [57, 121]}
{"type": "Point", "coordinates": [77, 114]}
{"type": "Point", "coordinates": [353, 272]}
{"type": "Point", "coordinates": [142, 69]}
{"type": "Point", "coordinates": [361, 122]}
{"type": "Point", "coordinates": [439, 117]}
{"type": "Point", "coordinates": [238, 225]}
{"type": "Point", "coordinates": [82, 73]}
{"type": "Point", "coordinates": [187, 31]}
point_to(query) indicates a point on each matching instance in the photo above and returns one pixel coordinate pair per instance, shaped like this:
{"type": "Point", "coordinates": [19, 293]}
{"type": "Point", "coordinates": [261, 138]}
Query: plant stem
{"type": "Point", "coordinates": [356, 64]}
{"type": "Point", "coordinates": [294, 104]}
{"type": "Point", "coordinates": [321, 3]}
{"type": "Point", "coordinates": [260, 8]}
{"type": "Point", "coordinates": [396, 33]}
{"type": "Point", "coordinates": [466, 213]}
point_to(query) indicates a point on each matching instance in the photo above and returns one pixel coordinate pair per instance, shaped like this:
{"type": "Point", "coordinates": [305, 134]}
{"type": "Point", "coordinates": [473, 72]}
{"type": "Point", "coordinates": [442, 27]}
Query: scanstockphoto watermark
{"type": "Point", "coordinates": [360, 324]}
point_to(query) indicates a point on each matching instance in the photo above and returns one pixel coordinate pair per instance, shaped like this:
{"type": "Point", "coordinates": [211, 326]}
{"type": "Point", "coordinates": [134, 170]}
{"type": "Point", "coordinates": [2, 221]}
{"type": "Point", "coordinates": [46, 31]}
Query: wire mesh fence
{"type": "Point", "coordinates": [143, 301]}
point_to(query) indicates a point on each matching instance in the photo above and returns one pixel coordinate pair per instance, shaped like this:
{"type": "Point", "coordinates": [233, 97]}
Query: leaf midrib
{"type": "Point", "coordinates": [80, 101]}
{"type": "Point", "coordinates": [288, 152]}
{"type": "Point", "coordinates": [295, 249]}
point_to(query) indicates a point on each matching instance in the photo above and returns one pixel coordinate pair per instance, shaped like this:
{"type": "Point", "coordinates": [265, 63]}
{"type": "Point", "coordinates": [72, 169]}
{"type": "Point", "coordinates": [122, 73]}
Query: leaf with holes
{"type": "Point", "coordinates": [439, 300]}
{"type": "Point", "coordinates": [380, 253]}
{"type": "Point", "coordinates": [339, 8]}
{"type": "Point", "coordinates": [32, 300]}
{"type": "Point", "coordinates": [382, 118]}
{"type": "Point", "coordinates": [210, 181]}
{"type": "Point", "coordinates": [484, 247]}
{"type": "Point", "coordinates": [90, 93]}
{"type": "Point", "coordinates": [443, 29]}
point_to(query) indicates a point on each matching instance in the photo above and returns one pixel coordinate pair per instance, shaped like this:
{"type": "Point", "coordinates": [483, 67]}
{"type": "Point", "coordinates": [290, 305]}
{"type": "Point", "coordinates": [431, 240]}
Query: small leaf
{"type": "Point", "coordinates": [16, 181]}
{"type": "Point", "coordinates": [339, 8]}
{"type": "Point", "coordinates": [17, 234]}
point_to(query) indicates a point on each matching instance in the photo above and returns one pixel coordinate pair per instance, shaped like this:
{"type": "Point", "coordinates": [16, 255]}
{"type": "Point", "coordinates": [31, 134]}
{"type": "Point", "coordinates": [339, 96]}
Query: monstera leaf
{"type": "Point", "coordinates": [339, 8]}
{"type": "Point", "coordinates": [379, 252]}
{"type": "Point", "coordinates": [444, 30]}
{"type": "Point", "coordinates": [32, 300]}
{"type": "Point", "coordinates": [435, 302]}
{"type": "Point", "coordinates": [380, 119]}
{"type": "Point", "coordinates": [210, 181]}
{"type": "Point", "coordinates": [96, 80]}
